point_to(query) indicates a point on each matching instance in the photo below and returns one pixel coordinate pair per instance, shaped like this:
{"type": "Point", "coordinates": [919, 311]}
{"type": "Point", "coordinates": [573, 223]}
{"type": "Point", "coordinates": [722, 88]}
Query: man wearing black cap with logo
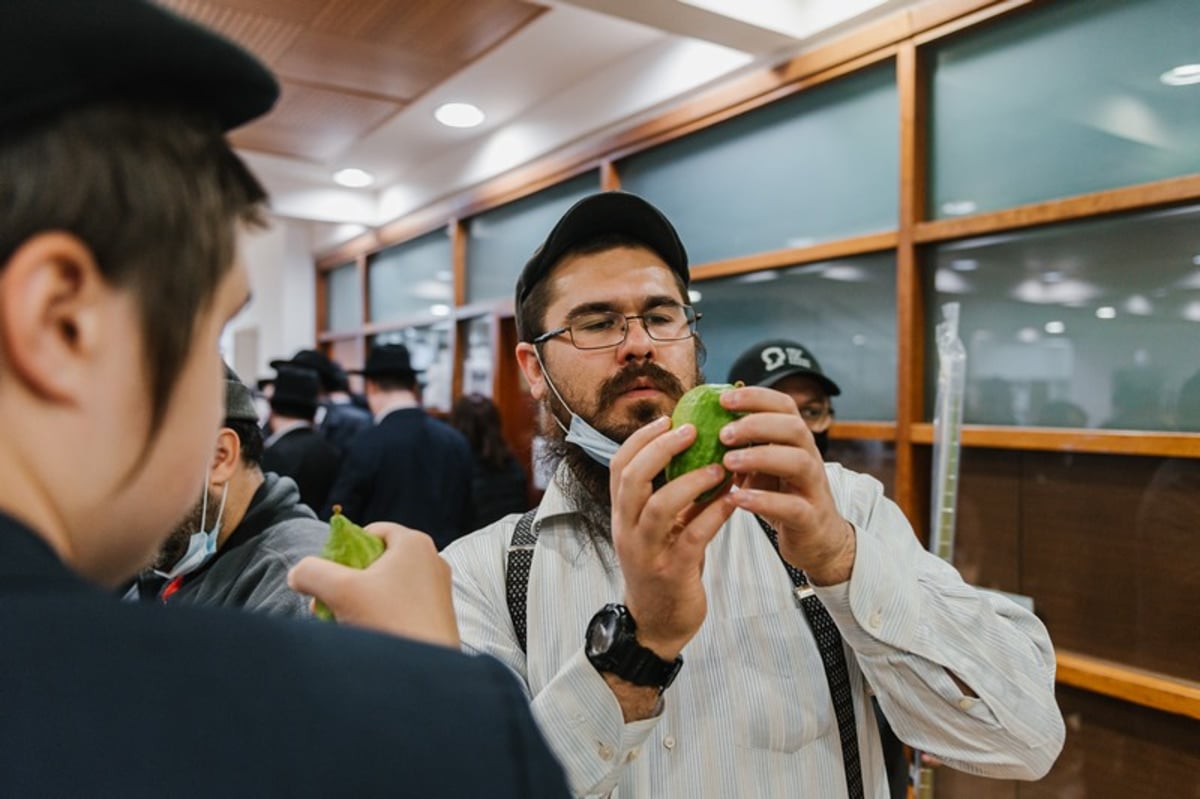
{"type": "Point", "coordinates": [410, 468]}
{"type": "Point", "coordinates": [728, 647]}
{"type": "Point", "coordinates": [244, 534]}
{"type": "Point", "coordinates": [118, 270]}
{"type": "Point", "coordinates": [295, 449]}
{"type": "Point", "coordinates": [791, 368]}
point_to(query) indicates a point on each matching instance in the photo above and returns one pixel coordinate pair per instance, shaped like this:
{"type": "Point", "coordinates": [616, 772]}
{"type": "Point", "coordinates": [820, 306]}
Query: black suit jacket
{"type": "Point", "coordinates": [105, 698]}
{"type": "Point", "coordinates": [307, 457]}
{"type": "Point", "coordinates": [411, 469]}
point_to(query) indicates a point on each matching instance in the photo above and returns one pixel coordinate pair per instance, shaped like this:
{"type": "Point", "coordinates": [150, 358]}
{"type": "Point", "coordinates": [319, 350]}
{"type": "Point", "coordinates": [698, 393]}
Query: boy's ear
{"type": "Point", "coordinates": [226, 457]}
{"type": "Point", "coordinates": [51, 315]}
{"type": "Point", "coordinates": [532, 368]}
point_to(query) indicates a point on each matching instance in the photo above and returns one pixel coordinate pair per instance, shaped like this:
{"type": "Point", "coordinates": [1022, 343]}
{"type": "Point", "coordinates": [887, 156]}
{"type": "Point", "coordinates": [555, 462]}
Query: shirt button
{"type": "Point", "coordinates": [876, 620]}
{"type": "Point", "coordinates": [669, 742]}
{"type": "Point", "coordinates": [606, 752]}
{"type": "Point", "coordinates": [632, 756]}
{"type": "Point", "coordinates": [966, 703]}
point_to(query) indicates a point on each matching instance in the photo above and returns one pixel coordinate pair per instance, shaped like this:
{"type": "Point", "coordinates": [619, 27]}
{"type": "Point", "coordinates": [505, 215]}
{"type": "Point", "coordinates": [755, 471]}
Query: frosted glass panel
{"type": "Point", "coordinates": [1092, 324]}
{"type": "Point", "coordinates": [412, 279]}
{"type": "Point", "coordinates": [500, 241]}
{"type": "Point", "coordinates": [844, 311]}
{"type": "Point", "coordinates": [1062, 100]}
{"type": "Point", "coordinates": [817, 166]}
{"type": "Point", "coordinates": [344, 309]}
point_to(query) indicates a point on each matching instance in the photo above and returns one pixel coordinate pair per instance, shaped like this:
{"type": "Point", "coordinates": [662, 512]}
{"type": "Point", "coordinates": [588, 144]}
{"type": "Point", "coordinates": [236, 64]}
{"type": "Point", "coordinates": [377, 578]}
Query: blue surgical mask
{"type": "Point", "coordinates": [598, 446]}
{"type": "Point", "coordinates": [203, 543]}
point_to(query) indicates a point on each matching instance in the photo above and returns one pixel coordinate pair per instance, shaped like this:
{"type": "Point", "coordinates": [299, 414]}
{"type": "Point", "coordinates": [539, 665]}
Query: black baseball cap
{"type": "Point", "coordinates": [61, 54]}
{"type": "Point", "coordinates": [598, 214]}
{"type": "Point", "coordinates": [768, 362]}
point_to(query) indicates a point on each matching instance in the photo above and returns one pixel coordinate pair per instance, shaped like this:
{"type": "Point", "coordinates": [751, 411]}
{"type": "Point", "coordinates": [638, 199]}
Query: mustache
{"type": "Point", "coordinates": [651, 373]}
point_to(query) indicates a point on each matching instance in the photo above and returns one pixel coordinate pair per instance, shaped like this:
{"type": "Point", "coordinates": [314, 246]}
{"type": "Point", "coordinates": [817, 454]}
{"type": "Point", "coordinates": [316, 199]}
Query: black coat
{"type": "Point", "coordinates": [343, 422]}
{"type": "Point", "coordinates": [495, 493]}
{"type": "Point", "coordinates": [304, 455]}
{"type": "Point", "coordinates": [108, 698]}
{"type": "Point", "coordinates": [411, 469]}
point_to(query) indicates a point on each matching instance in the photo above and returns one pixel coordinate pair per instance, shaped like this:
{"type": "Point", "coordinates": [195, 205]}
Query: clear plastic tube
{"type": "Point", "coordinates": [947, 432]}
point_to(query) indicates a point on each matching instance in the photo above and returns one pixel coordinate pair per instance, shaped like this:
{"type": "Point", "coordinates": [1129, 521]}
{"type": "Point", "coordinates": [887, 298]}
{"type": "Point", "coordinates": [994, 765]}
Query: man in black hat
{"type": "Point", "coordinates": [410, 468]}
{"type": "Point", "coordinates": [729, 647]}
{"type": "Point", "coordinates": [790, 367]}
{"type": "Point", "coordinates": [295, 449]}
{"type": "Point", "coordinates": [245, 533]}
{"type": "Point", "coordinates": [122, 203]}
{"type": "Point", "coordinates": [342, 418]}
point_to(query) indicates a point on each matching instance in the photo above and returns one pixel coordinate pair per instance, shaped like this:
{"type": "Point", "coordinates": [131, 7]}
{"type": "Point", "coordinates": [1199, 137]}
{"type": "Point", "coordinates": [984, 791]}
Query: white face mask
{"type": "Point", "coordinates": [203, 543]}
{"type": "Point", "coordinates": [598, 446]}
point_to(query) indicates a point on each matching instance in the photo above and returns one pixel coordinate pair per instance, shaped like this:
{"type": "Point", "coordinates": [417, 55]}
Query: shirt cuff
{"type": "Point", "coordinates": [877, 609]}
{"type": "Point", "coordinates": [584, 725]}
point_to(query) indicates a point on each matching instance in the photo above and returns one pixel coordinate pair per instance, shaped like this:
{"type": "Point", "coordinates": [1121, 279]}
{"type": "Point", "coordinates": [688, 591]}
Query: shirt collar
{"type": "Point", "coordinates": [403, 403]}
{"type": "Point", "coordinates": [283, 431]}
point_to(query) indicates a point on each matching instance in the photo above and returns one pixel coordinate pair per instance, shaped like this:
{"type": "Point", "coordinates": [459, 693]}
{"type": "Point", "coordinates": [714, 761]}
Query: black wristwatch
{"type": "Point", "coordinates": [611, 646]}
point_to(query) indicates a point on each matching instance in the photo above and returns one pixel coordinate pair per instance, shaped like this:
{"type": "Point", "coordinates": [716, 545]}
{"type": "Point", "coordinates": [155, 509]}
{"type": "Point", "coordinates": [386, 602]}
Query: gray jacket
{"type": "Point", "coordinates": [250, 570]}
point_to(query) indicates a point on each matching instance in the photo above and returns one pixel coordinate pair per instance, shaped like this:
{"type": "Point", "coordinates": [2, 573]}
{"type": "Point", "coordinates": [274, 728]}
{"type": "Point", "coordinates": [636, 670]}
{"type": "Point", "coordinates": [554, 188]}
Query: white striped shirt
{"type": "Point", "coordinates": [750, 714]}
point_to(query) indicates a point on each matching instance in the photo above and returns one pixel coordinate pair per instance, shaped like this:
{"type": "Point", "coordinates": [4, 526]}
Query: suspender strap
{"type": "Point", "coordinates": [833, 657]}
{"type": "Point", "coordinates": [520, 561]}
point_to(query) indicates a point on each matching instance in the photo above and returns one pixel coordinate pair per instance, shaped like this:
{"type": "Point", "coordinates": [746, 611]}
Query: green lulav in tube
{"type": "Point", "coordinates": [349, 545]}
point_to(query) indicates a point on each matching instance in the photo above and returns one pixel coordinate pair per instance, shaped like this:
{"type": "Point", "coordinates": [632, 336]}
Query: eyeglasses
{"type": "Point", "coordinates": [598, 330]}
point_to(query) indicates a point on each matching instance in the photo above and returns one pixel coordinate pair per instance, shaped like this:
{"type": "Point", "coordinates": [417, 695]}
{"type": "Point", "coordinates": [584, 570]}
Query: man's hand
{"type": "Point", "coordinates": [660, 536]}
{"type": "Point", "coordinates": [405, 592]}
{"type": "Point", "coordinates": [781, 477]}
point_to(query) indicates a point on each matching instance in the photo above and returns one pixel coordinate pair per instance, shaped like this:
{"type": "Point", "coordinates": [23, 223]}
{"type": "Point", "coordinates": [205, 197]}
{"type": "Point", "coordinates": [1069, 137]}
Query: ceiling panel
{"type": "Point", "coordinates": [313, 123]}
{"type": "Point", "coordinates": [335, 61]}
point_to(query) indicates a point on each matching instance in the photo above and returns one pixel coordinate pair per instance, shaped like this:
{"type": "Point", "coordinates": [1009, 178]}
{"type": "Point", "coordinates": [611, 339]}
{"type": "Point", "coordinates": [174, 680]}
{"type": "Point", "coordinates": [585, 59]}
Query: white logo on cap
{"type": "Point", "coordinates": [775, 357]}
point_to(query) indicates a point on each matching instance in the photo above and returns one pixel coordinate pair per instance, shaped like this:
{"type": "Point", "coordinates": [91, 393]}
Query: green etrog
{"type": "Point", "coordinates": [702, 407]}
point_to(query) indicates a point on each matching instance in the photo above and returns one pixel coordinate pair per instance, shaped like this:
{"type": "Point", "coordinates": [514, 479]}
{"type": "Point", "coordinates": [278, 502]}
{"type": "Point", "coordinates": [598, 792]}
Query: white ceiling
{"type": "Point", "coordinates": [582, 69]}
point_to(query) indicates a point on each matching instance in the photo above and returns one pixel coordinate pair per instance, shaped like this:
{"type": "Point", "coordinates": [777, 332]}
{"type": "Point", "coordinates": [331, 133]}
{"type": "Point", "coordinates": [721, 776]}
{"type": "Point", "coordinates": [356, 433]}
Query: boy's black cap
{"type": "Point", "coordinates": [239, 402]}
{"type": "Point", "coordinates": [61, 54]}
{"type": "Point", "coordinates": [768, 362]}
{"type": "Point", "coordinates": [599, 214]}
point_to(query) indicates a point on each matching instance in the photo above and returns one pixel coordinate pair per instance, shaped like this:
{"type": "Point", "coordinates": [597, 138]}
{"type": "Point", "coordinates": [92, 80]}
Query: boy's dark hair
{"type": "Point", "coordinates": [251, 439]}
{"type": "Point", "coordinates": [156, 195]}
{"type": "Point", "coordinates": [477, 418]}
{"type": "Point", "coordinates": [531, 315]}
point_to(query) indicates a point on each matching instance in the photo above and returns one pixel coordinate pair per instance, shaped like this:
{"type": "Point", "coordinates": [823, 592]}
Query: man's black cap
{"type": "Point", "coordinates": [768, 362]}
{"type": "Point", "coordinates": [610, 212]}
{"type": "Point", "coordinates": [60, 54]}
{"type": "Point", "coordinates": [295, 392]}
{"type": "Point", "coordinates": [239, 402]}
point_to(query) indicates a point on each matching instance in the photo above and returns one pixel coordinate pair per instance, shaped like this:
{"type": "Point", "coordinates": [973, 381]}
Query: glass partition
{"type": "Point", "coordinates": [1089, 324]}
{"type": "Point", "coordinates": [820, 165]}
{"type": "Point", "coordinates": [500, 241]}
{"type": "Point", "coordinates": [844, 311]}
{"type": "Point", "coordinates": [1065, 99]}
{"type": "Point", "coordinates": [415, 278]}
{"type": "Point", "coordinates": [343, 298]}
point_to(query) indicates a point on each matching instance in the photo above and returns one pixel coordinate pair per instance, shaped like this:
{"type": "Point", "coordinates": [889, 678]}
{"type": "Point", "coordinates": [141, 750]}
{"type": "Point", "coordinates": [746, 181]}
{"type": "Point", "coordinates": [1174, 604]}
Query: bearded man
{"type": "Point", "coordinates": [792, 598]}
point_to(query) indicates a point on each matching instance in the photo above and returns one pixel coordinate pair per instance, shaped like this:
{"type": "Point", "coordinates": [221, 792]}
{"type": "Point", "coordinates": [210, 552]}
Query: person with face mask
{"type": "Point", "coordinates": [729, 647]}
{"type": "Point", "coordinates": [245, 533]}
{"type": "Point", "coordinates": [119, 268]}
{"type": "Point", "coordinates": [791, 368]}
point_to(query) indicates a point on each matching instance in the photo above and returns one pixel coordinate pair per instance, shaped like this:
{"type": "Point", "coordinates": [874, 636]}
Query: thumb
{"type": "Point", "coordinates": [321, 578]}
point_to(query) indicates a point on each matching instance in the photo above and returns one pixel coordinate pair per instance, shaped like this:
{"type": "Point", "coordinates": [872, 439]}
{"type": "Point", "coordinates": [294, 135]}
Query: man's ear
{"type": "Point", "coordinates": [532, 368]}
{"type": "Point", "coordinates": [226, 458]}
{"type": "Point", "coordinates": [51, 315]}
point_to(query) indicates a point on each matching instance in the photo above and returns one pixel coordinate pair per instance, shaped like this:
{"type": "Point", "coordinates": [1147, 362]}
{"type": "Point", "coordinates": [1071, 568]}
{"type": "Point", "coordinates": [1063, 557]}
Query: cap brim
{"type": "Point", "coordinates": [831, 388]}
{"type": "Point", "coordinates": [69, 53]}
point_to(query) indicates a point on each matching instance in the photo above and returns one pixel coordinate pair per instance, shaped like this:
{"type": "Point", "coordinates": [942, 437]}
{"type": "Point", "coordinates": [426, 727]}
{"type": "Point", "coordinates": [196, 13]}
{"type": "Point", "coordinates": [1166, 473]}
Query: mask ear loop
{"type": "Point", "coordinates": [537, 353]}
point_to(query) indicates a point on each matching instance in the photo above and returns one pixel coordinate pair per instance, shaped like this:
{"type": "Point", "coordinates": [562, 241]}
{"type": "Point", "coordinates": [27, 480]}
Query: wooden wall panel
{"type": "Point", "coordinates": [987, 527]}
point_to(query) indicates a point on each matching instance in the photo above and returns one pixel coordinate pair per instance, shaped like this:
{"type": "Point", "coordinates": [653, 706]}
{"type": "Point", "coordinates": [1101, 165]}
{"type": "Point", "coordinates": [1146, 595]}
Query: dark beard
{"type": "Point", "coordinates": [176, 544]}
{"type": "Point", "coordinates": [585, 483]}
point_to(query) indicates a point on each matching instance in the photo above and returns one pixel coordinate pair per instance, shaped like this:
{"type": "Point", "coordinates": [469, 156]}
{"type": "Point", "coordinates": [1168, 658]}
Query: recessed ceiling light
{"type": "Point", "coordinates": [458, 115]}
{"type": "Point", "coordinates": [1054, 328]}
{"type": "Point", "coordinates": [694, 296]}
{"type": "Point", "coordinates": [354, 178]}
{"type": "Point", "coordinates": [1182, 75]}
{"type": "Point", "coordinates": [958, 207]}
{"type": "Point", "coordinates": [439, 309]}
{"type": "Point", "coordinates": [1106, 312]}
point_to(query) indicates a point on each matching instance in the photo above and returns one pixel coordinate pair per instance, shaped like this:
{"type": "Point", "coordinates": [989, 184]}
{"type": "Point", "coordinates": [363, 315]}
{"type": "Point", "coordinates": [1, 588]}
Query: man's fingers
{"type": "Point", "coordinates": [635, 442]}
{"type": "Point", "coordinates": [672, 500]}
{"type": "Point", "coordinates": [320, 578]}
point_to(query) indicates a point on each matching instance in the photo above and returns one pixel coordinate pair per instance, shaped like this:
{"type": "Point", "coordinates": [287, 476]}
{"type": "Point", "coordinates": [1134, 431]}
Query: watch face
{"type": "Point", "coordinates": [602, 633]}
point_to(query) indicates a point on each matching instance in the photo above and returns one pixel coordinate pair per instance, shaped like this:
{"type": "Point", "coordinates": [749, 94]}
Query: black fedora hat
{"type": "Point", "coordinates": [387, 360]}
{"type": "Point", "coordinates": [333, 377]}
{"type": "Point", "coordinates": [295, 392]}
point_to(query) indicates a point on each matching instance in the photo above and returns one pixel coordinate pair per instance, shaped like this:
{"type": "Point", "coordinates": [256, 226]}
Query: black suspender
{"type": "Point", "coordinates": [829, 640]}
